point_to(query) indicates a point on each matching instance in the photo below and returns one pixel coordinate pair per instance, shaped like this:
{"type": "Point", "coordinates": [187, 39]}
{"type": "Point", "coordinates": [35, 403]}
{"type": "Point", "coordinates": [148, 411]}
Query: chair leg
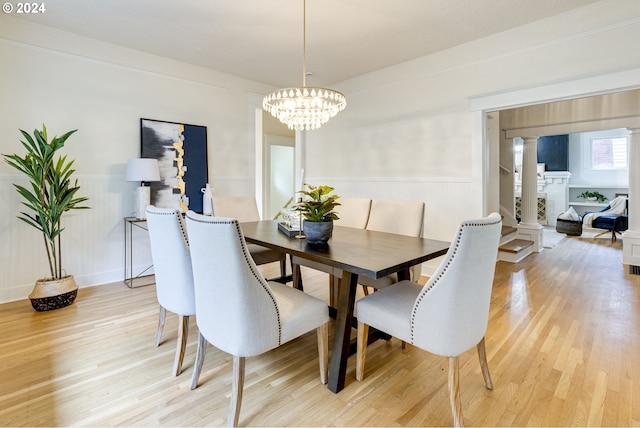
{"type": "Point", "coordinates": [161, 317]}
{"type": "Point", "coordinates": [454, 391]}
{"type": "Point", "coordinates": [283, 267]}
{"type": "Point", "coordinates": [482, 356]}
{"type": "Point", "coordinates": [236, 391]}
{"type": "Point", "coordinates": [202, 350]}
{"type": "Point", "coordinates": [323, 351]}
{"type": "Point", "coordinates": [600, 234]}
{"type": "Point", "coordinates": [361, 349]}
{"type": "Point", "coordinates": [183, 334]}
{"type": "Point", "coordinates": [365, 290]}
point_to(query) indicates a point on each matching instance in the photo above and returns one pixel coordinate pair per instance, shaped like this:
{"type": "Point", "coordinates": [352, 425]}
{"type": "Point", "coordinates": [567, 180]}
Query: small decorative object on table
{"type": "Point", "coordinates": [592, 196]}
{"type": "Point", "coordinates": [318, 212]}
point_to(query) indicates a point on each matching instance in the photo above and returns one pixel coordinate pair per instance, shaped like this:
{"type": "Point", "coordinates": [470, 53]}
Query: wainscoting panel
{"type": "Point", "coordinates": [92, 243]}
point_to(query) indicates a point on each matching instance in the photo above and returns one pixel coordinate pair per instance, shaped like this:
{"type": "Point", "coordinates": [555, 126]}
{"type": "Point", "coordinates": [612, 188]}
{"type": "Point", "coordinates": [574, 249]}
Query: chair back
{"type": "Point", "coordinates": [401, 217]}
{"type": "Point", "coordinates": [617, 206]}
{"type": "Point", "coordinates": [451, 312]}
{"type": "Point", "coordinates": [235, 307]}
{"type": "Point", "coordinates": [353, 212]}
{"type": "Point", "coordinates": [171, 260]}
{"type": "Point", "coordinates": [242, 208]}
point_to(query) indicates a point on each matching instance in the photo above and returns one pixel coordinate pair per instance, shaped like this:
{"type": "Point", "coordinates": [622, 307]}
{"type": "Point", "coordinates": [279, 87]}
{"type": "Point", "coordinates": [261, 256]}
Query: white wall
{"type": "Point", "coordinates": [408, 131]}
{"type": "Point", "coordinates": [69, 82]}
{"type": "Point", "coordinates": [580, 161]}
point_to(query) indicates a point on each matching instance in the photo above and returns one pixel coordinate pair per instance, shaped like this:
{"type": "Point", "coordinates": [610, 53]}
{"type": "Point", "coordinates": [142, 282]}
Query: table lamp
{"type": "Point", "coordinates": [142, 170]}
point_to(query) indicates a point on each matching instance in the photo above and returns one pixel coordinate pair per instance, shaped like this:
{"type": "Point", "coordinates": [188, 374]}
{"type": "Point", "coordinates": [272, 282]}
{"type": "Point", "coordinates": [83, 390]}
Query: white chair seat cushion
{"type": "Point", "coordinates": [263, 255]}
{"type": "Point", "coordinates": [383, 282]}
{"type": "Point", "coordinates": [390, 309]}
{"type": "Point", "coordinates": [299, 311]}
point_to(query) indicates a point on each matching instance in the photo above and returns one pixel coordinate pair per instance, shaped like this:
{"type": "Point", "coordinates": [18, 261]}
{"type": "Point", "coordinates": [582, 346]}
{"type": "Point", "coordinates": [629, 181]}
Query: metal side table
{"type": "Point", "coordinates": [142, 278]}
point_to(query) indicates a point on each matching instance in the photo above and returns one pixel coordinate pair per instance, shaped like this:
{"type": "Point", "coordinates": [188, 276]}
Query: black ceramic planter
{"type": "Point", "coordinates": [317, 232]}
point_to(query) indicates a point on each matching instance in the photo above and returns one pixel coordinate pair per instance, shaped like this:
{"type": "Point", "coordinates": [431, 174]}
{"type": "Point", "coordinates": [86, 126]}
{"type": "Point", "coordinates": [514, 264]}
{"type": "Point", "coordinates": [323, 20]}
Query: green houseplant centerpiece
{"type": "Point", "coordinates": [51, 194]}
{"type": "Point", "coordinates": [317, 208]}
{"type": "Point", "coordinates": [592, 196]}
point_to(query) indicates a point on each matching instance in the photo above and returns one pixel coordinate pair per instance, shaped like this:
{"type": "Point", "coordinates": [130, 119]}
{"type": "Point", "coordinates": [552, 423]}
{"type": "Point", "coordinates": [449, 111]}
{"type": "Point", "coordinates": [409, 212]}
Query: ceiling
{"type": "Point", "coordinates": [262, 40]}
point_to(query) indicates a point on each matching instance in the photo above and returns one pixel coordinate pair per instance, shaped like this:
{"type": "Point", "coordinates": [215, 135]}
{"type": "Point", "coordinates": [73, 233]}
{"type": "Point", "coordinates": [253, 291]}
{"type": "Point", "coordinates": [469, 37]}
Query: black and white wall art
{"type": "Point", "coordinates": [181, 151]}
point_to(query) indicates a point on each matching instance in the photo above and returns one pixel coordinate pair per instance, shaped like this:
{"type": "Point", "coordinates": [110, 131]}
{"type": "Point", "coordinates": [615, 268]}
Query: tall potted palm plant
{"type": "Point", "coordinates": [51, 193]}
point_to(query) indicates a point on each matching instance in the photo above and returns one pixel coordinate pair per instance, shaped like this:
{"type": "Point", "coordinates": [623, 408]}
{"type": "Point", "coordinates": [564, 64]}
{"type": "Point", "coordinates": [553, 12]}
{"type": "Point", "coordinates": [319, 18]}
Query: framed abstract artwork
{"type": "Point", "coordinates": [181, 151]}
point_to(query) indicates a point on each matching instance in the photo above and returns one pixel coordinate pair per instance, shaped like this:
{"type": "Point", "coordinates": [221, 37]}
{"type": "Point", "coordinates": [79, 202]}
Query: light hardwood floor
{"type": "Point", "coordinates": [563, 347]}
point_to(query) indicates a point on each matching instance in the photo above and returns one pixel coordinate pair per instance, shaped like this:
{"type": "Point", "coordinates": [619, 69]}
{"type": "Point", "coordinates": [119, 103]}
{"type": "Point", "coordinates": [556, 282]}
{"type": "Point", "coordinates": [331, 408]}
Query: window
{"type": "Point", "coordinates": [609, 153]}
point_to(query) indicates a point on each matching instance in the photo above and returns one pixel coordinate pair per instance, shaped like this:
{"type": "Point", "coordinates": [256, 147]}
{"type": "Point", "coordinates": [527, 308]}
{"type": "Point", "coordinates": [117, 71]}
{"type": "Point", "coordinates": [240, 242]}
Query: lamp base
{"type": "Point", "coordinates": [143, 199]}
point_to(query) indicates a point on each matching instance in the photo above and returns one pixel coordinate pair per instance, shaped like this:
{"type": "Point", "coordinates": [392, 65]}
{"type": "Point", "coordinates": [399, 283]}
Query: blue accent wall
{"type": "Point", "coordinates": [553, 151]}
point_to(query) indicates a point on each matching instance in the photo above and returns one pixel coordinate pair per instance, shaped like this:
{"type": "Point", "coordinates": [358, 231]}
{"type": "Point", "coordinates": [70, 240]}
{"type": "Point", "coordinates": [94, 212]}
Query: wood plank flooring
{"type": "Point", "coordinates": [563, 347]}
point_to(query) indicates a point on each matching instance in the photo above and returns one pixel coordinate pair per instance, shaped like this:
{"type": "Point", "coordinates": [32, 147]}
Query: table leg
{"type": "Point", "coordinates": [342, 337]}
{"type": "Point", "coordinates": [296, 276]}
{"type": "Point", "coordinates": [405, 274]}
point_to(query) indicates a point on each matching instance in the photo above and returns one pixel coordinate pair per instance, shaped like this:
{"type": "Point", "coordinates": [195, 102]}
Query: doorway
{"type": "Point", "coordinates": [280, 173]}
{"type": "Point", "coordinates": [276, 152]}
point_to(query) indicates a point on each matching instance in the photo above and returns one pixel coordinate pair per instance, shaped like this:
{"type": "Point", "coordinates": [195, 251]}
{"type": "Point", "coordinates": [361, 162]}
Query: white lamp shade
{"type": "Point", "coordinates": [143, 169]}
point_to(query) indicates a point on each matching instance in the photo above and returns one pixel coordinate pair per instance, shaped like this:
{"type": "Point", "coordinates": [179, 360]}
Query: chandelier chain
{"type": "Point", "coordinates": [304, 108]}
{"type": "Point", "coordinates": [304, 43]}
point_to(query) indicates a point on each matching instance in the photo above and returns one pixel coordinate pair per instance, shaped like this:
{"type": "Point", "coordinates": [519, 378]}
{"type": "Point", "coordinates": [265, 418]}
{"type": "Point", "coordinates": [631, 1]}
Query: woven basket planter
{"type": "Point", "coordinates": [570, 227]}
{"type": "Point", "coordinates": [51, 293]}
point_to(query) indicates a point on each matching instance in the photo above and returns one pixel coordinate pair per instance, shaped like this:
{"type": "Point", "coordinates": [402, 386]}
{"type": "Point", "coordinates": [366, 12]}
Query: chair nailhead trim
{"type": "Point", "coordinates": [456, 245]}
{"type": "Point", "coordinates": [258, 276]}
{"type": "Point", "coordinates": [247, 257]}
{"type": "Point", "coordinates": [178, 218]}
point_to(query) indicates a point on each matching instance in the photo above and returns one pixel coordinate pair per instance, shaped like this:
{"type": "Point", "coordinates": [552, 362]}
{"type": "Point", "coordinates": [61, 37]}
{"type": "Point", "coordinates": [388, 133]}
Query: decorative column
{"type": "Point", "coordinates": [529, 228]}
{"type": "Point", "coordinates": [631, 238]}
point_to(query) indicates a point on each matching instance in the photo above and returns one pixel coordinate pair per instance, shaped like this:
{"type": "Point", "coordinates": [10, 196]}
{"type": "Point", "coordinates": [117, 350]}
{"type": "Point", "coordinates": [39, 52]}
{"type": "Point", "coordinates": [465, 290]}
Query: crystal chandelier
{"type": "Point", "coordinates": [305, 108]}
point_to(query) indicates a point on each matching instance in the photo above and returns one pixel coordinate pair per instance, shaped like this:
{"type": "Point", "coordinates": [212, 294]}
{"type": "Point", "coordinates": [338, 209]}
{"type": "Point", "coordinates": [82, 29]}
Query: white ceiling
{"type": "Point", "coordinates": [261, 40]}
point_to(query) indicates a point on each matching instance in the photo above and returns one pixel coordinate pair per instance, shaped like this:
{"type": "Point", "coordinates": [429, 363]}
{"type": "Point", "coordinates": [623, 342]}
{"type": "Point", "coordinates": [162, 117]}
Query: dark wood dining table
{"type": "Point", "coordinates": [356, 252]}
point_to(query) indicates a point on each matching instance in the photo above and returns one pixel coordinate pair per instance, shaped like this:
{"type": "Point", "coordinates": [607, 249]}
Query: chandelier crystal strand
{"type": "Point", "coordinates": [304, 109]}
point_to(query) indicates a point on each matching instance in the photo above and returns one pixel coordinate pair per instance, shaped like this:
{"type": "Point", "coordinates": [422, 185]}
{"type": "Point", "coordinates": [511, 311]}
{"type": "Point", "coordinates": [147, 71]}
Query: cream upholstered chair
{"type": "Point", "coordinates": [353, 212]}
{"type": "Point", "coordinates": [244, 209]}
{"type": "Point", "coordinates": [174, 278]}
{"type": "Point", "coordinates": [399, 217]}
{"type": "Point", "coordinates": [237, 310]}
{"type": "Point", "coordinates": [449, 314]}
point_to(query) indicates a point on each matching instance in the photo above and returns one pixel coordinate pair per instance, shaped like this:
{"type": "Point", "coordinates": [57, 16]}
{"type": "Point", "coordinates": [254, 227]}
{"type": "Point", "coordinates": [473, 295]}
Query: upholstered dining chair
{"type": "Point", "coordinates": [449, 314]}
{"type": "Point", "coordinates": [237, 310]}
{"type": "Point", "coordinates": [244, 209]}
{"type": "Point", "coordinates": [353, 212]}
{"type": "Point", "coordinates": [399, 217]}
{"type": "Point", "coordinates": [174, 278]}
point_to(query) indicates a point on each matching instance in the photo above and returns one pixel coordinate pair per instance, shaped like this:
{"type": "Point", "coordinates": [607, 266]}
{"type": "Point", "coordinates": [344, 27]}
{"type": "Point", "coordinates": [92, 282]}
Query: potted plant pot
{"type": "Point", "coordinates": [317, 232]}
{"type": "Point", "coordinates": [51, 293]}
{"type": "Point", "coordinates": [318, 212]}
